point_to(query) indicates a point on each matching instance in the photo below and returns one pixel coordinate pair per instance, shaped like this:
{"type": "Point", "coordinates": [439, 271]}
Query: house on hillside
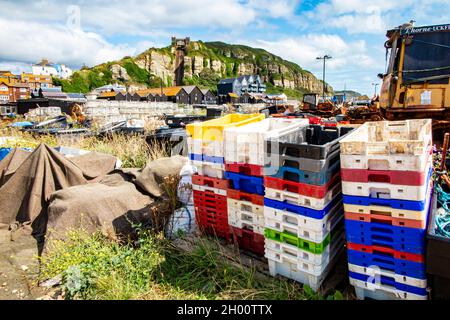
{"type": "Point", "coordinates": [47, 68]}
{"type": "Point", "coordinates": [208, 97]}
{"type": "Point", "coordinates": [8, 77]}
{"type": "Point", "coordinates": [36, 82]}
{"type": "Point", "coordinates": [12, 92]}
{"type": "Point", "coordinates": [239, 86]}
{"type": "Point", "coordinates": [195, 94]}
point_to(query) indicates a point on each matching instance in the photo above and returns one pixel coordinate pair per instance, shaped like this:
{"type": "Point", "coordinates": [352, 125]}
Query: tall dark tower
{"type": "Point", "coordinates": [180, 47]}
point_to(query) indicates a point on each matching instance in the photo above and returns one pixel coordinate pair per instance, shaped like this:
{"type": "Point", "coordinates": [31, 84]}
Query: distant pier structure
{"type": "Point", "coordinates": [180, 48]}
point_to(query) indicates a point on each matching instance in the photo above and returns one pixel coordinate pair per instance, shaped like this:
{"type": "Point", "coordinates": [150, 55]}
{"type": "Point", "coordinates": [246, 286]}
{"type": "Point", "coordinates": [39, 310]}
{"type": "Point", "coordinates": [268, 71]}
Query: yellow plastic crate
{"type": "Point", "coordinates": [212, 130]}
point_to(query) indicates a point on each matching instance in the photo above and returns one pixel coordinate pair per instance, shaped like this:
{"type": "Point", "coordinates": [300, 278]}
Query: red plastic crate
{"type": "Point", "coordinates": [244, 196]}
{"type": "Point", "coordinates": [387, 251]}
{"type": "Point", "coordinates": [304, 189]}
{"type": "Point", "coordinates": [211, 213]}
{"type": "Point", "coordinates": [210, 182]}
{"type": "Point", "coordinates": [380, 218]}
{"type": "Point", "coordinates": [245, 168]}
{"type": "Point", "coordinates": [408, 178]}
{"type": "Point", "coordinates": [248, 240]}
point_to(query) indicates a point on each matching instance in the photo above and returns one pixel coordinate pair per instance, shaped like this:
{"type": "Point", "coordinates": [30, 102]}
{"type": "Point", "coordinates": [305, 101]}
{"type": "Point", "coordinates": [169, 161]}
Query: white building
{"type": "Point", "coordinates": [47, 68]}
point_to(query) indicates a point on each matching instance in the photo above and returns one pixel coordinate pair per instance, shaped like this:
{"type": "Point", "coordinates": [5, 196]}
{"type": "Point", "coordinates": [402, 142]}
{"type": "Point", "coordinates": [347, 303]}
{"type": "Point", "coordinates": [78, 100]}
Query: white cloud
{"type": "Point", "coordinates": [15, 67]}
{"type": "Point", "coordinates": [57, 43]}
{"type": "Point", "coordinates": [351, 61]}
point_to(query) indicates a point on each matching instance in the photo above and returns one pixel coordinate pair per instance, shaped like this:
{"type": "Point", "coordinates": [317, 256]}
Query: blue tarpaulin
{"type": "Point", "coordinates": [22, 124]}
{"type": "Point", "coordinates": [4, 152]}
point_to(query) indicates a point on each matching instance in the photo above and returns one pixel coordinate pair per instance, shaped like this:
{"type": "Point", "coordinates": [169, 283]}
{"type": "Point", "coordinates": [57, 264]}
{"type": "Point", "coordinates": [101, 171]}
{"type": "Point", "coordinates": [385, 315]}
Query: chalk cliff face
{"type": "Point", "coordinates": [219, 60]}
{"type": "Point", "coordinates": [205, 63]}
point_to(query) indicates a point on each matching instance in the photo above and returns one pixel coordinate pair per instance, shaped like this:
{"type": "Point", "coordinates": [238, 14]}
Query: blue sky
{"type": "Point", "coordinates": [94, 31]}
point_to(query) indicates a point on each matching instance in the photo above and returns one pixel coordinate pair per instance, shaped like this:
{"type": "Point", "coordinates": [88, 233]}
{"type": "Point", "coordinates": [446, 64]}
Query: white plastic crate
{"type": "Point", "coordinates": [301, 200]}
{"type": "Point", "coordinates": [244, 214]}
{"type": "Point", "coordinates": [207, 148]}
{"type": "Point", "coordinates": [387, 211]}
{"type": "Point", "coordinates": [365, 290]}
{"type": "Point", "coordinates": [384, 190]}
{"type": "Point", "coordinates": [246, 144]}
{"type": "Point", "coordinates": [375, 272]}
{"type": "Point", "coordinates": [291, 271]}
{"type": "Point", "coordinates": [409, 137]}
{"type": "Point", "coordinates": [281, 252]}
{"type": "Point", "coordinates": [206, 188]}
{"type": "Point", "coordinates": [306, 228]}
{"type": "Point", "coordinates": [213, 170]}
{"type": "Point", "coordinates": [392, 162]}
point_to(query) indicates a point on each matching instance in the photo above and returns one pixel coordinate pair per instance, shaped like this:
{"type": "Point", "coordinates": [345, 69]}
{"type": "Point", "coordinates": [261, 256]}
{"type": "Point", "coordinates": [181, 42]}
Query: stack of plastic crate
{"type": "Point", "coordinates": [303, 204]}
{"type": "Point", "coordinates": [206, 152]}
{"type": "Point", "coordinates": [244, 164]}
{"type": "Point", "coordinates": [386, 182]}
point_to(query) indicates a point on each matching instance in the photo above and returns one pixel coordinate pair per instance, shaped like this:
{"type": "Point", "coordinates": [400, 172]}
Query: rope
{"type": "Point", "coordinates": [442, 219]}
{"type": "Point", "coordinates": [426, 70]}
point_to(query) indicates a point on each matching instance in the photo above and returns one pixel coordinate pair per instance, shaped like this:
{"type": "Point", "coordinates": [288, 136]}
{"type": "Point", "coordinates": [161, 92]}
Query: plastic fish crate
{"type": "Point", "coordinates": [212, 130]}
{"type": "Point", "coordinates": [387, 261]}
{"type": "Point", "coordinates": [217, 191]}
{"type": "Point", "coordinates": [213, 170]}
{"type": "Point", "coordinates": [394, 162]}
{"type": "Point", "coordinates": [305, 164]}
{"type": "Point", "coordinates": [246, 183]}
{"type": "Point", "coordinates": [390, 275]}
{"type": "Point", "coordinates": [249, 240]}
{"type": "Point", "coordinates": [409, 223]}
{"type": "Point", "coordinates": [303, 201]}
{"type": "Point", "coordinates": [245, 168]}
{"type": "Point", "coordinates": [409, 178]}
{"type": "Point", "coordinates": [420, 217]}
{"type": "Point", "coordinates": [303, 211]}
{"type": "Point", "coordinates": [211, 213]}
{"type": "Point", "coordinates": [290, 271]}
{"type": "Point", "coordinates": [276, 250]}
{"type": "Point", "coordinates": [365, 290]}
{"type": "Point", "coordinates": [385, 190]}
{"type": "Point", "coordinates": [210, 182]}
{"type": "Point", "coordinates": [204, 147]}
{"type": "Point", "coordinates": [318, 192]}
{"type": "Point", "coordinates": [310, 229]}
{"type": "Point", "coordinates": [205, 158]}
{"type": "Point", "coordinates": [246, 144]}
{"type": "Point", "coordinates": [312, 141]}
{"type": "Point", "coordinates": [378, 234]}
{"type": "Point", "coordinates": [286, 254]}
{"type": "Point", "coordinates": [313, 247]}
{"type": "Point", "coordinates": [409, 137]}
{"type": "Point", "coordinates": [308, 177]}
{"type": "Point", "coordinates": [385, 280]}
{"type": "Point", "coordinates": [393, 203]}
{"type": "Point", "coordinates": [244, 196]}
{"type": "Point", "coordinates": [243, 213]}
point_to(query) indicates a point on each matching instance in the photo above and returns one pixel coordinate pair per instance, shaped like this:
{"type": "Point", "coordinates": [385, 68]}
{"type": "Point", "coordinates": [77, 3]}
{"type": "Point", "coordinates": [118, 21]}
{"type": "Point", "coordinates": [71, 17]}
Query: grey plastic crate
{"type": "Point", "coordinates": [310, 142]}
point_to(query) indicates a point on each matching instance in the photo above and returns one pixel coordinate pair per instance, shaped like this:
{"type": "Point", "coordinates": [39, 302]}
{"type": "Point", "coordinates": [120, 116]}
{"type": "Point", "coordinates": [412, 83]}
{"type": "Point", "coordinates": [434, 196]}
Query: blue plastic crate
{"type": "Point", "coordinates": [311, 213]}
{"type": "Point", "coordinates": [396, 204]}
{"type": "Point", "coordinates": [4, 152]}
{"type": "Point", "coordinates": [249, 184]}
{"type": "Point", "coordinates": [308, 177]}
{"type": "Point", "coordinates": [378, 234]}
{"type": "Point", "coordinates": [391, 282]}
{"type": "Point", "coordinates": [404, 267]}
{"type": "Point", "coordinates": [204, 158]}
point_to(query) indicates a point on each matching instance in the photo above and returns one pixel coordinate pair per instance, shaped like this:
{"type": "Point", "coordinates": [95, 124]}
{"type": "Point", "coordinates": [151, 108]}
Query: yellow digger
{"type": "Point", "coordinates": [416, 83]}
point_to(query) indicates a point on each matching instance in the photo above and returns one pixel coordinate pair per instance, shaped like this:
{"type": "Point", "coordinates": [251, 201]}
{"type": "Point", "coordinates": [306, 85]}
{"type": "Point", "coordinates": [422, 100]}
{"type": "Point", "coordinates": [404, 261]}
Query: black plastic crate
{"type": "Point", "coordinates": [182, 121]}
{"type": "Point", "coordinates": [311, 142]}
{"type": "Point", "coordinates": [440, 287]}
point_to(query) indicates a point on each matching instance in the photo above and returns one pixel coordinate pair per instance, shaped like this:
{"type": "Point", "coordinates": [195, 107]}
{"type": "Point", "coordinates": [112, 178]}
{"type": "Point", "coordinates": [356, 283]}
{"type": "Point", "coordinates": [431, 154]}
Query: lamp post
{"type": "Point", "coordinates": [324, 58]}
{"type": "Point", "coordinates": [375, 85]}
